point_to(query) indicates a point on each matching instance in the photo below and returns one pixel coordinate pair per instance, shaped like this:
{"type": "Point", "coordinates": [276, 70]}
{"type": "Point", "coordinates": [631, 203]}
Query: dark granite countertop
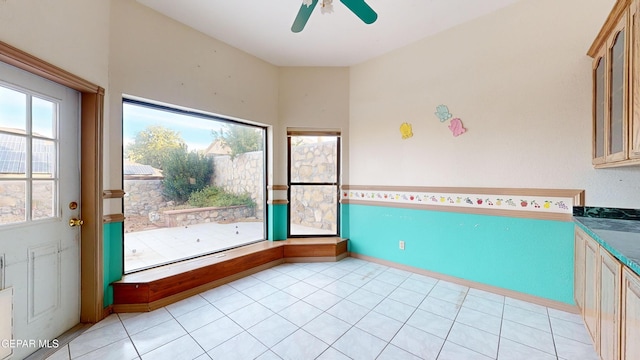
{"type": "Point", "coordinates": [620, 237]}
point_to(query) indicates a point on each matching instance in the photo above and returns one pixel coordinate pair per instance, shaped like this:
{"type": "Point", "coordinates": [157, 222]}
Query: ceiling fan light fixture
{"type": "Point", "coordinates": [359, 7]}
{"type": "Point", "coordinates": [327, 7]}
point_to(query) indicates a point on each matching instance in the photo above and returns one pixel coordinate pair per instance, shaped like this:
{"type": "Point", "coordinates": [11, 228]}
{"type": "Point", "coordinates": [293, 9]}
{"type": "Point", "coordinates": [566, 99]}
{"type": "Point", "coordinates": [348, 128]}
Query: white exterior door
{"type": "Point", "coordinates": [39, 180]}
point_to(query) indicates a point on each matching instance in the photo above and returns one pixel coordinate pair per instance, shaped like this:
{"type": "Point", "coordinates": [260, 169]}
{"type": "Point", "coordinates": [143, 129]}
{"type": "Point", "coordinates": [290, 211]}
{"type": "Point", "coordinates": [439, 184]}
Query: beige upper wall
{"type": "Point", "coordinates": [71, 34]}
{"type": "Point", "coordinates": [316, 98]}
{"type": "Point", "coordinates": [520, 81]}
{"type": "Point", "coordinates": [157, 58]}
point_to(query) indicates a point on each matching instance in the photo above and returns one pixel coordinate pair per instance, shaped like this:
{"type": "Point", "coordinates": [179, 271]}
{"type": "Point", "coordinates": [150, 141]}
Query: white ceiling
{"type": "Point", "coordinates": [263, 27]}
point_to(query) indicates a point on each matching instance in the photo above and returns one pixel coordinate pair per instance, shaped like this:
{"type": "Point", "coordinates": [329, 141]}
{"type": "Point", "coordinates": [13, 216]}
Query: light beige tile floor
{"type": "Point", "coordinates": [351, 309]}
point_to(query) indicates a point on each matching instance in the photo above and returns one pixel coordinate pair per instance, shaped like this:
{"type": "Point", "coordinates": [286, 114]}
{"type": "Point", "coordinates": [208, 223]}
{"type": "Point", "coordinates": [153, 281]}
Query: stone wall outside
{"type": "Point", "coordinates": [243, 174]}
{"type": "Point", "coordinates": [184, 217]}
{"type": "Point", "coordinates": [143, 197]}
{"type": "Point", "coordinates": [314, 207]}
{"type": "Point", "coordinates": [12, 200]}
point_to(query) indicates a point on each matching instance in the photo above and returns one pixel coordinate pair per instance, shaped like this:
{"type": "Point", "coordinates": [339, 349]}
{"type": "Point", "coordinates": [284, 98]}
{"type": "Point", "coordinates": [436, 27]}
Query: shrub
{"type": "Point", "coordinates": [152, 145]}
{"type": "Point", "coordinates": [240, 139]}
{"type": "Point", "coordinates": [185, 172]}
{"type": "Point", "coordinates": [212, 196]}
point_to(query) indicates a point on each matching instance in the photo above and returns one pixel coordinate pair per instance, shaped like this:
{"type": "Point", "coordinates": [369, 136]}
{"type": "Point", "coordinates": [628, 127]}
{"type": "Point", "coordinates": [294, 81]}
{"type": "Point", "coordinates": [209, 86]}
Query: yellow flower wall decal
{"type": "Point", "coordinates": [406, 130]}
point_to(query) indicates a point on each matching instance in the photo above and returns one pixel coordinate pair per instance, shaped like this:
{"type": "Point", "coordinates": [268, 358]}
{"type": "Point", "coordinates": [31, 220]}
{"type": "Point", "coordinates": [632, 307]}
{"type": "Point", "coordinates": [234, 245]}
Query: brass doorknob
{"type": "Point", "coordinates": [75, 222]}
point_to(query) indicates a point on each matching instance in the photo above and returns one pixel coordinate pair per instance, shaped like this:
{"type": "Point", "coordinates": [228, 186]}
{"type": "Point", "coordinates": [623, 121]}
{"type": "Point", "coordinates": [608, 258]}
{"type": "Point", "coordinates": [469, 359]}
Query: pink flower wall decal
{"type": "Point", "coordinates": [456, 127]}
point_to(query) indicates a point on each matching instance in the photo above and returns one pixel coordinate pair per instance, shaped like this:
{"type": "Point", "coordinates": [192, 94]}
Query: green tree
{"type": "Point", "coordinates": [152, 145]}
{"type": "Point", "coordinates": [240, 139]}
{"type": "Point", "coordinates": [184, 173]}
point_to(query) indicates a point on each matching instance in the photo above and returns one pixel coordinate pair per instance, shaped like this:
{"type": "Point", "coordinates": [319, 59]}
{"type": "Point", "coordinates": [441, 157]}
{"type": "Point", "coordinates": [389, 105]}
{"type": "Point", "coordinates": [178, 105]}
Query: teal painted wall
{"type": "Point", "coordinates": [344, 221]}
{"type": "Point", "coordinates": [277, 222]}
{"type": "Point", "coordinates": [113, 261]}
{"type": "Point", "coordinates": [525, 255]}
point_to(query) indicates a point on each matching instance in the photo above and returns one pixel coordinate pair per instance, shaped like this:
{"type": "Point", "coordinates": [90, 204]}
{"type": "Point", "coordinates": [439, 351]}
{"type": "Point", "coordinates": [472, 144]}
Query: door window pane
{"type": "Point", "coordinates": [43, 158]}
{"type": "Point", "coordinates": [13, 197]}
{"type": "Point", "coordinates": [43, 116]}
{"type": "Point", "coordinates": [13, 111]}
{"type": "Point", "coordinates": [13, 156]}
{"type": "Point", "coordinates": [42, 199]}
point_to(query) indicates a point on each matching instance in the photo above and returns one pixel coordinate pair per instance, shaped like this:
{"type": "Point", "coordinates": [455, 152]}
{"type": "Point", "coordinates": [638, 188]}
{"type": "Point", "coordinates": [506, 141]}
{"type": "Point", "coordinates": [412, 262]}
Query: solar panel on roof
{"type": "Point", "coordinates": [13, 155]}
{"type": "Point", "coordinates": [138, 169]}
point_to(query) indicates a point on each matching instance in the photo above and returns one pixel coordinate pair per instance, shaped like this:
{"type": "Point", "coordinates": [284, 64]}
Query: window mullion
{"type": "Point", "coordinates": [28, 163]}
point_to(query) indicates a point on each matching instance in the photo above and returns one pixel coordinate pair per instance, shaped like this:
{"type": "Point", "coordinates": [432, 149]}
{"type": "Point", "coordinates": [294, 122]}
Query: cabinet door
{"type": "Point", "coordinates": [634, 115]}
{"type": "Point", "coordinates": [578, 280]}
{"type": "Point", "coordinates": [630, 315]}
{"type": "Point", "coordinates": [599, 101]}
{"type": "Point", "coordinates": [591, 267]}
{"type": "Point", "coordinates": [617, 83]}
{"type": "Point", "coordinates": [609, 307]}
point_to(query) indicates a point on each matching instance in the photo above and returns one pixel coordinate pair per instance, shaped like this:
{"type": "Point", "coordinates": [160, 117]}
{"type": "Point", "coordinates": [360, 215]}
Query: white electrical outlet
{"type": "Point", "coordinates": [401, 244]}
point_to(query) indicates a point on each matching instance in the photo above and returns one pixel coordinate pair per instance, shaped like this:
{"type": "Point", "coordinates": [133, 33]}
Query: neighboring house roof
{"type": "Point", "coordinates": [140, 170]}
{"type": "Point", "coordinates": [13, 153]}
{"type": "Point", "coordinates": [218, 147]}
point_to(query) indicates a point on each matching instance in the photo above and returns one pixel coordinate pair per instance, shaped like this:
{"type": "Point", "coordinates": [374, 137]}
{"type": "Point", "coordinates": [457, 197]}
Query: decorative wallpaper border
{"type": "Point", "coordinates": [534, 203]}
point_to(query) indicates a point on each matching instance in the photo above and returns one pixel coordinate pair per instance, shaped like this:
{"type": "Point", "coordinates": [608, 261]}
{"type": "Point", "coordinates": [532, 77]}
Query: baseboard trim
{"type": "Point", "coordinates": [476, 285]}
{"type": "Point", "coordinates": [63, 340]}
{"type": "Point", "coordinates": [316, 258]}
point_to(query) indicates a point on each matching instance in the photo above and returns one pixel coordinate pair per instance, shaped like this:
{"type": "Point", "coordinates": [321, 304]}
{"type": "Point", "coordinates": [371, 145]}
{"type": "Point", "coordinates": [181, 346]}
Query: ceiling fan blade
{"type": "Point", "coordinates": [362, 10]}
{"type": "Point", "coordinates": [303, 16]}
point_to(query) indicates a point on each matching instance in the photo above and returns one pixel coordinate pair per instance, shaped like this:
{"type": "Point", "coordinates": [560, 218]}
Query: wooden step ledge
{"type": "Point", "coordinates": [154, 288]}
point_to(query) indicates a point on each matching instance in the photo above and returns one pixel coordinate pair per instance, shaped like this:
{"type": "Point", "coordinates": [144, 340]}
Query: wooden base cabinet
{"type": "Point", "coordinates": [579, 273]}
{"type": "Point", "coordinates": [599, 293]}
{"type": "Point", "coordinates": [630, 344]}
{"type": "Point", "coordinates": [590, 310]}
{"type": "Point", "coordinates": [609, 306]}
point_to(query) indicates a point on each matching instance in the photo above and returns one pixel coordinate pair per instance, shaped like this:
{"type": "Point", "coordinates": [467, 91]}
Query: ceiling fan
{"type": "Point", "coordinates": [359, 7]}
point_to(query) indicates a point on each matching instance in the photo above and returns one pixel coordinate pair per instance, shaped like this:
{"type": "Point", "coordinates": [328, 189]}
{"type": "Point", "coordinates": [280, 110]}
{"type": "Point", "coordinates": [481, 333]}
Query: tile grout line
{"type": "Point", "coordinates": [553, 338]}
{"type": "Point", "coordinates": [454, 322]}
{"type": "Point", "coordinates": [128, 336]}
{"type": "Point", "coordinates": [409, 317]}
{"type": "Point", "coordinates": [500, 331]}
{"type": "Point", "coordinates": [183, 328]}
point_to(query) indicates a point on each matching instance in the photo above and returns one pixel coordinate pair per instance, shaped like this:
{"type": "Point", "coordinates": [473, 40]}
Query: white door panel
{"type": "Point", "coordinates": [42, 252]}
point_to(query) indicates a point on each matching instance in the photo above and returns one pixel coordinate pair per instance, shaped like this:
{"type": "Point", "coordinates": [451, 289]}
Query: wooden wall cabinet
{"type": "Point", "coordinates": [608, 296]}
{"type": "Point", "coordinates": [634, 80]}
{"type": "Point", "coordinates": [630, 345]}
{"type": "Point", "coordinates": [616, 94]}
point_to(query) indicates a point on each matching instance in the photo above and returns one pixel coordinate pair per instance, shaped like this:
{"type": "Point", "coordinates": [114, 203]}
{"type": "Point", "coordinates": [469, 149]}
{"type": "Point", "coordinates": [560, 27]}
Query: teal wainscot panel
{"type": "Point", "coordinates": [113, 261]}
{"type": "Point", "coordinates": [530, 256]}
{"type": "Point", "coordinates": [277, 226]}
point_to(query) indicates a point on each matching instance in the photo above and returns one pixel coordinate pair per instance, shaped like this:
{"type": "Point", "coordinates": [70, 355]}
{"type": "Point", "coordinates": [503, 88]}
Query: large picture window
{"type": "Point", "coordinates": [194, 184]}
